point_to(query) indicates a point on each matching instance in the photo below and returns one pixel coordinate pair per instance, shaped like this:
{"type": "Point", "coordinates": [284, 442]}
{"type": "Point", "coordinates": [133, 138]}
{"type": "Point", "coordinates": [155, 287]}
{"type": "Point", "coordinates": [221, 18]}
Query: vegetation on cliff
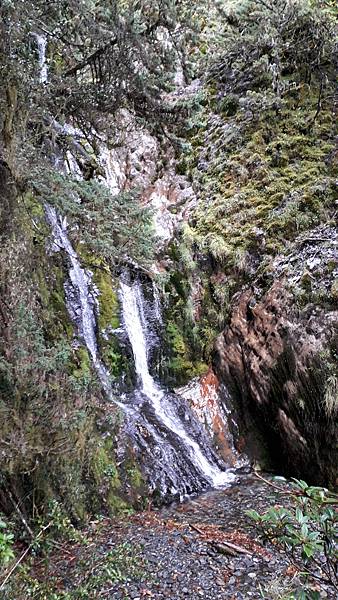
{"type": "Point", "coordinates": [258, 141]}
{"type": "Point", "coordinates": [257, 258]}
{"type": "Point", "coordinates": [66, 69]}
{"type": "Point", "coordinates": [262, 152]}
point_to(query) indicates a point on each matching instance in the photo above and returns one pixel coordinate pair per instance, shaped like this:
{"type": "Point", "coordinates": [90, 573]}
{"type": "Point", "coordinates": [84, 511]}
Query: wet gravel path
{"type": "Point", "coordinates": [182, 561]}
{"type": "Point", "coordinates": [176, 552]}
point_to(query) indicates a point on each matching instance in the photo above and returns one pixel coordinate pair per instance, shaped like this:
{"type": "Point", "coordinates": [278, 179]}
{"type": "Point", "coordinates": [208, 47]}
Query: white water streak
{"type": "Point", "coordinates": [42, 47]}
{"type": "Point", "coordinates": [80, 283]}
{"type": "Point", "coordinates": [135, 323]}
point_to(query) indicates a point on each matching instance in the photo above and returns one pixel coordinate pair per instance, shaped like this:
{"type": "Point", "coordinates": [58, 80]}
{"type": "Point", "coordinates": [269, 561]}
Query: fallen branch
{"type": "Point", "coordinates": [238, 549]}
{"type": "Point", "coordinates": [229, 548]}
{"type": "Point", "coordinates": [195, 528]}
{"type": "Point", "coordinates": [14, 567]}
{"type": "Point", "coordinates": [273, 485]}
{"type": "Point", "coordinates": [22, 517]}
{"type": "Point", "coordinates": [224, 546]}
{"type": "Point", "coordinates": [223, 549]}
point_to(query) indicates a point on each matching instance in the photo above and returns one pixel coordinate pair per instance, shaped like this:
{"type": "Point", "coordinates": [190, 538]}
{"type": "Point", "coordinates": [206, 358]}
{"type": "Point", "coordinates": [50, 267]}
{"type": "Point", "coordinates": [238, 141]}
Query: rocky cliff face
{"type": "Point", "coordinates": [278, 357]}
{"type": "Point", "coordinates": [210, 403]}
{"type": "Point", "coordinates": [260, 249]}
{"type": "Point", "coordinates": [140, 161]}
{"type": "Point", "coordinates": [276, 360]}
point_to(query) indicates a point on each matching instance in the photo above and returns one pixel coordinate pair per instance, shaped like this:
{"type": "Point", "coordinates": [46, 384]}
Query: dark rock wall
{"type": "Point", "coordinates": [276, 359]}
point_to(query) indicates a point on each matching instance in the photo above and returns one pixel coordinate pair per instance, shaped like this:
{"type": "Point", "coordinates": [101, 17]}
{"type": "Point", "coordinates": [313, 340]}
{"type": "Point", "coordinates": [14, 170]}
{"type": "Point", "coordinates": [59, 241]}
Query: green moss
{"type": "Point", "coordinates": [34, 209]}
{"type": "Point", "coordinates": [109, 308]}
{"type": "Point", "coordinates": [109, 312]}
{"type": "Point", "coordinates": [274, 186]}
{"type": "Point", "coordinates": [47, 271]}
{"type": "Point", "coordinates": [83, 363]}
{"type": "Point", "coordinates": [49, 278]}
{"type": "Point", "coordinates": [135, 477]}
{"type": "Point", "coordinates": [106, 477]}
{"type": "Point", "coordinates": [103, 464]}
{"type": "Point", "coordinates": [181, 363]}
{"type": "Point", "coordinates": [117, 505]}
{"type": "Point", "coordinates": [135, 483]}
{"type": "Point", "coordinates": [113, 357]}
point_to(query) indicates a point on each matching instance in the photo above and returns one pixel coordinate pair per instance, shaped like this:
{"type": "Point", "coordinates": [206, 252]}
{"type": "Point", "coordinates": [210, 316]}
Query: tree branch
{"type": "Point", "coordinates": [89, 59]}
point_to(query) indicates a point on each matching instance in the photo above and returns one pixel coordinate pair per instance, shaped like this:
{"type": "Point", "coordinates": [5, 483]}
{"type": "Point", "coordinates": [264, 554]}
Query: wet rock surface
{"type": "Point", "coordinates": [204, 396]}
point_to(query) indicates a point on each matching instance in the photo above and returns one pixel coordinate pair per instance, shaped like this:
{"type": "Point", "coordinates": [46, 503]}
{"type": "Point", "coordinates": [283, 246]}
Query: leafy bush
{"type": "Point", "coordinates": [6, 543]}
{"type": "Point", "coordinates": [307, 531]}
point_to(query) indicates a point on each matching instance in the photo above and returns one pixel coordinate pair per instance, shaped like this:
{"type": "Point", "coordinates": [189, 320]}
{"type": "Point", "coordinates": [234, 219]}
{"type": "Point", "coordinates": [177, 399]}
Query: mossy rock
{"type": "Point", "coordinates": [181, 364]}
{"type": "Point", "coordinates": [107, 479]}
{"type": "Point", "coordinates": [83, 363]}
{"type": "Point", "coordinates": [109, 308]}
{"type": "Point", "coordinates": [103, 465]}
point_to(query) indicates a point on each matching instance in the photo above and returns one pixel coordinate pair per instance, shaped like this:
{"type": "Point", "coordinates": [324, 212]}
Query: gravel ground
{"type": "Point", "coordinates": [176, 552]}
{"type": "Point", "coordinates": [180, 545]}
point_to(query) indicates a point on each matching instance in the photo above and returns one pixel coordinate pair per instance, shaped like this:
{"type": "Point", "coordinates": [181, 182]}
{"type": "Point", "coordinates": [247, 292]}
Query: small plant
{"type": "Point", "coordinates": [282, 589]}
{"type": "Point", "coordinates": [93, 575]}
{"type": "Point", "coordinates": [6, 543]}
{"type": "Point", "coordinates": [53, 525]}
{"type": "Point", "coordinates": [307, 531]}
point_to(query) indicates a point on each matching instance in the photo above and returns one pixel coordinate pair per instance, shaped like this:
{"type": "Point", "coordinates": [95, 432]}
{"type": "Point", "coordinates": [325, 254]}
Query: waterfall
{"type": "Point", "coordinates": [79, 297]}
{"type": "Point", "coordinates": [42, 46]}
{"type": "Point", "coordinates": [79, 294]}
{"type": "Point", "coordinates": [171, 445]}
{"type": "Point", "coordinates": [136, 326]}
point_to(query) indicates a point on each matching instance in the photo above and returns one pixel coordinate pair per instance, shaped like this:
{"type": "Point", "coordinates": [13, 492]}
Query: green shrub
{"type": "Point", "coordinates": [6, 543]}
{"type": "Point", "coordinates": [306, 531]}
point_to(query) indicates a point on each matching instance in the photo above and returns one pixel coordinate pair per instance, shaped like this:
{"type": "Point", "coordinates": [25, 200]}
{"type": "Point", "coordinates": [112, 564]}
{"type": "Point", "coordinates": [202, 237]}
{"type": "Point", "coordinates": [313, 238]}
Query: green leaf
{"type": "Point", "coordinates": [308, 551]}
{"type": "Point", "coordinates": [300, 484]}
{"type": "Point", "coordinates": [313, 535]}
{"type": "Point", "coordinates": [253, 514]}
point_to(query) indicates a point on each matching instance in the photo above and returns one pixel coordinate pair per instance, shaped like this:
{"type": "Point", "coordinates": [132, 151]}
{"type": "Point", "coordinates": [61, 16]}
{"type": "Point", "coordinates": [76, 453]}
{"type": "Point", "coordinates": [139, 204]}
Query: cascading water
{"type": "Point", "coordinates": [80, 299]}
{"type": "Point", "coordinates": [42, 46]}
{"type": "Point", "coordinates": [170, 443]}
{"type": "Point", "coordinates": [79, 293]}
{"type": "Point", "coordinates": [136, 326]}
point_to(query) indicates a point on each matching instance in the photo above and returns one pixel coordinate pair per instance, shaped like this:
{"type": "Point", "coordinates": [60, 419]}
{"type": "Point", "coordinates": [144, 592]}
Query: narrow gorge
{"type": "Point", "coordinates": [168, 298]}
